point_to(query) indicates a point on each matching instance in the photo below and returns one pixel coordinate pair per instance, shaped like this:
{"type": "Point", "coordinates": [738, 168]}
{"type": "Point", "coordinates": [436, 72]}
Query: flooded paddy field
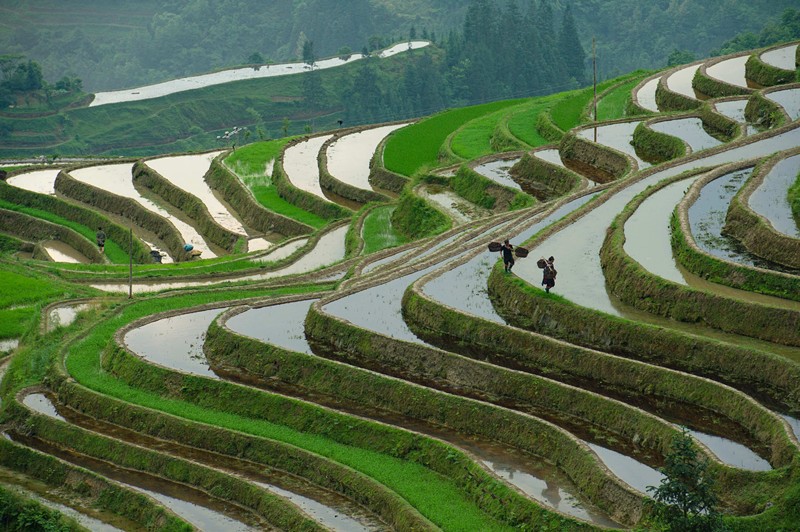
{"type": "Point", "coordinates": [333, 321]}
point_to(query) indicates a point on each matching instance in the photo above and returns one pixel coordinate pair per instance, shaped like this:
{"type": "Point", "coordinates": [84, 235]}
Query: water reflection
{"type": "Point", "coordinates": [730, 71]}
{"type": "Point", "coordinates": [789, 99]}
{"type": "Point", "coordinates": [62, 252]}
{"type": "Point", "coordinates": [498, 171]}
{"type": "Point", "coordinates": [646, 96]}
{"type": "Point", "coordinates": [349, 157]}
{"type": "Point", "coordinates": [770, 198]}
{"type": "Point", "coordinates": [634, 473]}
{"type": "Point", "coordinates": [783, 57]}
{"type": "Point", "coordinates": [41, 181]}
{"type": "Point", "coordinates": [680, 81]}
{"type": "Point", "coordinates": [617, 136]}
{"type": "Point", "coordinates": [689, 130]}
{"type": "Point", "coordinates": [301, 167]}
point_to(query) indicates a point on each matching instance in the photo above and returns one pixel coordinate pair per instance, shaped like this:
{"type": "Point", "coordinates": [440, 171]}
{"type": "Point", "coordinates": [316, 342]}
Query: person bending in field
{"type": "Point", "coordinates": [101, 239]}
{"type": "Point", "coordinates": [508, 255]}
{"type": "Point", "coordinates": [549, 274]}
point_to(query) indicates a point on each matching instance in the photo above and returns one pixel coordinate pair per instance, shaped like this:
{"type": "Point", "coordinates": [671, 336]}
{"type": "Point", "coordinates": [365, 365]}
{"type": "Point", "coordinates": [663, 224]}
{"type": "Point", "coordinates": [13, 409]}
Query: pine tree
{"type": "Point", "coordinates": [685, 500]}
{"type": "Point", "coordinates": [571, 50]}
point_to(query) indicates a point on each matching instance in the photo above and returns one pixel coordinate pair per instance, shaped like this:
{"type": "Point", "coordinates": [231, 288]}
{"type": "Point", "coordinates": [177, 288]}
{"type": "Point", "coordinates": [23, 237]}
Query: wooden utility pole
{"type": "Point", "coordinates": [130, 263]}
{"type": "Point", "coordinates": [594, 84]}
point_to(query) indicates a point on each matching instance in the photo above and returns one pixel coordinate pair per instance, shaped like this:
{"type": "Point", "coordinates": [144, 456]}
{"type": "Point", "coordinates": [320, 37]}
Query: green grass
{"type": "Point", "coordinates": [417, 146]}
{"type": "Point", "coordinates": [612, 105]}
{"type": "Point", "coordinates": [378, 233]}
{"type": "Point", "coordinates": [474, 139]}
{"type": "Point", "coordinates": [250, 163]}
{"type": "Point", "coordinates": [112, 250]}
{"type": "Point", "coordinates": [433, 495]}
{"type": "Point", "coordinates": [567, 113]}
{"type": "Point", "coordinates": [522, 123]}
{"type": "Point", "coordinates": [14, 322]}
{"type": "Point", "coordinates": [794, 200]}
{"type": "Point", "coordinates": [28, 288]}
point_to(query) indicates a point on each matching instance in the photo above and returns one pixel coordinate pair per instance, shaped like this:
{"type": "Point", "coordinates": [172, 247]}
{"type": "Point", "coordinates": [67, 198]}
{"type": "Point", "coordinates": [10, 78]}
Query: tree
{"type": "Point", "coordinates": [308, 53]}
{"type": "Point", "coordinates": [571, 49]}
{"type": "Point", "coordinates": [685, 500]}
{"type": "Point", "coordinates": [679, 57]}
{"type": "Point", "coordinates": [285, 126]}
{"type": "Point", "coordinates": [255, 59]}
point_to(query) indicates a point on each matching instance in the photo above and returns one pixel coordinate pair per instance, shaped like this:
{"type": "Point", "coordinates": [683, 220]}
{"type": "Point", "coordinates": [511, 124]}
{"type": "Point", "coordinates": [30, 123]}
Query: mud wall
{"type": "Point", "coordinates": [637, 287]}
{"type": "Point", "coordinates": [344, 429]}
{"type": "Point", "coordinates": [485, 193]}
{"type": "Point", "coordinates": [656, 147]}
{"type": "Point", "coordinates": [414, 218]}
{"type": "Point", "coordinates": [78, 214]}
{"type": "Point", "coordinates": [275, 510]}
{"type": "Point", "coordinates": [547, 128]}
{"type": "Point", "coordinates": [585, 368]}
{"type": "Point", "coordinates": [271, 453]}
{"type": "Point", "coordinates": [126, 208]}
{"type": "Point", "coordinates": [765, 74]}
{"type": "Point", "coordinates": [35, 229]}
{"type": "Point", "coordinates": [755, 372]}
{"type": "Point", "coordinates": [713, 87]}
{"type": "Point", "coordinates": [717, 270]}
{"type": "Point", "coordinates": [83, 483]}
{"type": "Point", "coordinates": [381, 177]}
{"type": "Point", "coordinates": [330, 183]}
{"type": "Point", "coordinates": [266, 363]}
{"type": "Point", "coordinates": [190, 205]}
{"type": "Point", "coordinates": [756, 233]}
{"type": "Point", "coordinates": [543, 180]}
{"type": "Point", "coordinates": [352, 344]}
{"type": "Point", "coordinates": [253, 214]}
{"type": "Point", "coordinates": [764, 112]}
{"type": "Point", "coordinates": [602, 163]}
{"type": "Point", "coordinates": [668, 100]}
{"type": "Point", "coordinates": [305, 200]}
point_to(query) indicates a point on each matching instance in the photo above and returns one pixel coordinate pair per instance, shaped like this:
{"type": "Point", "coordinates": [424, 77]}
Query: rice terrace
{"type": "Point", "coordinates": [297, 323]}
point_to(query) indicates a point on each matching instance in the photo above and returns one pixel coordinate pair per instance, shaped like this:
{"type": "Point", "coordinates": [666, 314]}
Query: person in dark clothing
{"type": "Point", "coordinates": [549, 274]}
{"type": "Point", "coordinates": [101, 239]}
{"type": "Point", "coordinates": [508, 255]}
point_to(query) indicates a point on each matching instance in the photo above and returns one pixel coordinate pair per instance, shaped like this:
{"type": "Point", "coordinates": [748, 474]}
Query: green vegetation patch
{"type": "Point", "coordinates": [417, 146]}
{"type": "Point", "coordinates": [794, 200]}
{"type": "Point", "coordinates": [614, 103]}
{"type": "Point", "coordinates": [250, 162]}
{"type": "Point", "coordinates": [24, 288]}
{"type": "Point", "coordinates": [522, 123]}
{"type": "Point", "coordinates": [112, 250]}
{"type": "Point", "coordinates": [429, 492]}
{"type": "Point", "coordinates": [415, 218]}
{"type": "Point", "coordinates": [20, 513]}
{"type": "Point", "coordinates": [14, 322]}
{"type": "Point", "coordinates": [378, 232]}
{"type": "Point", "coordinates": [474, 139]}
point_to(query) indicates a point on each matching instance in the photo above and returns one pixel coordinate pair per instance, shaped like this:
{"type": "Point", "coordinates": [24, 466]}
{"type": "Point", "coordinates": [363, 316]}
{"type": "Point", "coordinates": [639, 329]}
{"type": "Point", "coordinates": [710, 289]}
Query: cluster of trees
{"type": "Point", "coordinates": [136, 43]}
{"type": "Point", "coordinates": [500, 52]}
{"type": "Point", "coordinates": [22, 79]}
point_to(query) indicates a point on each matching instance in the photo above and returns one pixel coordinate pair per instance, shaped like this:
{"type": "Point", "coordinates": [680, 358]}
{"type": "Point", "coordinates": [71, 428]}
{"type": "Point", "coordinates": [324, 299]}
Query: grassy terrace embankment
{"type": "Point", "coordinates": [435, 498]}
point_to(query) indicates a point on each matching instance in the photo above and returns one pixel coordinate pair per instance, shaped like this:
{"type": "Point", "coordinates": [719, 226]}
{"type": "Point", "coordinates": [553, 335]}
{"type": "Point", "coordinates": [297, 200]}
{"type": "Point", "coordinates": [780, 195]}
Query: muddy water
{"type": "Point", "coordinates": [41, 181]}
{"type": "Point", "coordinates": [186, 172]}
{"type": "Point", "coordinates": [497, 171]}
{"type": "Point", "coordinates": [457, 208]}
{"type": "Point", "coordinates": [62, 252]}
{"type": "Point", "coordinates": [63, 316]}
{"type": "Point", "coordinates": [681, 81]}
{"type": "Point", "coordinates": [734, 109]}
{"type": "Point", "coordinates": [47, 496]}
{"type": "Point", "coordinates": [732, 453]}
{"type": "Point", "coordinates": [647, 94]}
{"type": "Point", "coordinates": [117, 179]}
{"type": "Point", "coordinates": [8, 344]}
{"type": "Point", "coordinates": [689, 130]}
{"type": "Point", "coordinates": [617, 136]}
{"type": "Point", "coordinates": [707, 218]}
{"type": "Point", "coordinates": [794, 423]}
{"type": "Point", "coordinates": [730, 71]}
{"type": "Point", "coordinates": [39, 402]}
{"type": "Point", "coordinates": [195, 507]}
{"type": "Point", "coordinates": [280, 253]}
{"type": "Point", "coordinates": [300, 165]}
{"type": "Point", "coordinates": [349, 157]}
{"type": "Point", "coordinates": [783, 57]}
{"type": "Point", "coordinates": [282, 326]}
{"type": "Point", "coordinates": [329, 250]}
{"type": "Point", "coordinates": [549, 155]}
{"type": "Point", "coordinates": [789, 99]}
{"type": "Point", "coordinates": [225, 76]}
{"type": "Point", "coordinates": [464, 287]}
{"type": "Point", "coordinates": [576, 247]}
{"type": "Point", "coordinates": [175, 342]}
{"type": "Point", "coordinates": [280, 483]}
{"type": "Point", "coordinates": [634, 473]}
{"type": "Point", "coordinates": [647, 241]}
{"type": "Point", "coordinates": [387, 260]}
{"type": "Point", "coordinates": [770, 198]}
